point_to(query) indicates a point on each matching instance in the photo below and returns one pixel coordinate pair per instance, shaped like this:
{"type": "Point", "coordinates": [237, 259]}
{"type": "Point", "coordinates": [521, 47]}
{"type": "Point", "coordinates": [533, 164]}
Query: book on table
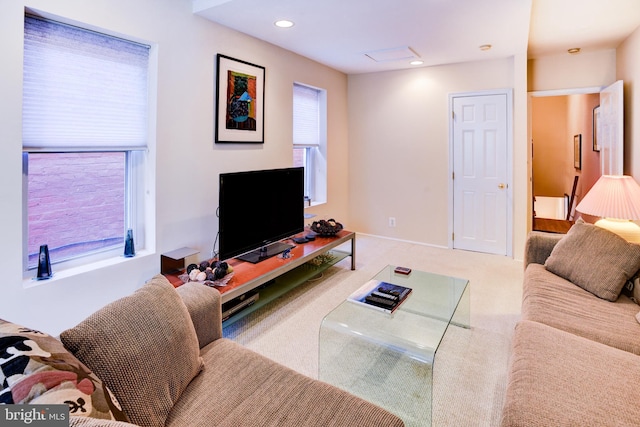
{"type": "Point", "coordinates": [380, 295]}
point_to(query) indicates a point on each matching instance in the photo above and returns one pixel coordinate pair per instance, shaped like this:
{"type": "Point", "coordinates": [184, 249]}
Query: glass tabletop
{"type": "Point", "coordinates": [418, 325]}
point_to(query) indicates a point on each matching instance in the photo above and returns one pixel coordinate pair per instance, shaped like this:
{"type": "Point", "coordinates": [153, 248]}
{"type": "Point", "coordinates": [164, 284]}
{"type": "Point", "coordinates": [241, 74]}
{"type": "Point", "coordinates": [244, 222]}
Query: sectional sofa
{"type": "Point", "coordinates": [576, 351]}
{"type": "Point", "coordinates": [157, 358]}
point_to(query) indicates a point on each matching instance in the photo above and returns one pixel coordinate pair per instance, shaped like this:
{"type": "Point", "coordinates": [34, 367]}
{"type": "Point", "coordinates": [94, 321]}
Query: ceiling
{"type": "Point", "coordinates": [346, 34]}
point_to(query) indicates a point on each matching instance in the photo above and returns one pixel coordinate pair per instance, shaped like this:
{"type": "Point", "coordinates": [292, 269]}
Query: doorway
{"type": "Point", "coordinates": [565, 158]}
{"type": "Point", "coordinates": [572, 143]}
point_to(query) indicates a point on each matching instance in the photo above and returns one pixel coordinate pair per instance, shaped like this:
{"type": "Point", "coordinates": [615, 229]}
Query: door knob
{"type": "Point", "coordinates": [502, 186]}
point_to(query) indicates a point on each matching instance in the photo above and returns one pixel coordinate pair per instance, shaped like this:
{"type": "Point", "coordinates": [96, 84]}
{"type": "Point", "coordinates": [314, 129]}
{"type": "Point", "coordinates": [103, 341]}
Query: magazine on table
{"type": "Point", "coordinates": [380, 295]}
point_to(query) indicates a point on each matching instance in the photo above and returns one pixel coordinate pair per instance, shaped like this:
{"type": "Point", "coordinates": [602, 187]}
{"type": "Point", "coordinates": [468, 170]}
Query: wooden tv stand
{"type": "Point", "coordinates": [282, 274]}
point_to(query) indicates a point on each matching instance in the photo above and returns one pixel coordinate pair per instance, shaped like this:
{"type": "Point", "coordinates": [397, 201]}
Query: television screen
{"type": "Point", "coordinates": [258, 208]}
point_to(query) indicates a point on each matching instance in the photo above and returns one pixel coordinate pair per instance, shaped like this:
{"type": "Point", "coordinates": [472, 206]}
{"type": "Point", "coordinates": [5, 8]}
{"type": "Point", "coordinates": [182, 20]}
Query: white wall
{"type": "Point", "coordinates": [628, 69]}
{"type": "Point", "coordinates": [188, 162]}
{"type": "Point", "coordinates": [388, 150]}
{"type": "Point", "coordinates": [560, 72]}
{"type": "Point", "coordinates": [399, 146]}
{"type": "Point", "coordinates": [599, 69]}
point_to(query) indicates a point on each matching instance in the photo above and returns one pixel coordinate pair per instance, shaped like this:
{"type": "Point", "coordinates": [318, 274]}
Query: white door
{"type": "Point", "coordinates": [610, 129]}
{"type": "Point", "coordinates": [481, 173]}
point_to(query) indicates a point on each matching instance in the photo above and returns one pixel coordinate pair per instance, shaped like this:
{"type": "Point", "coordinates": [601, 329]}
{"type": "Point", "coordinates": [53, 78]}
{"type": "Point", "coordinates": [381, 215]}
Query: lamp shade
{"type": "Point", "coordinates": [613, 196]}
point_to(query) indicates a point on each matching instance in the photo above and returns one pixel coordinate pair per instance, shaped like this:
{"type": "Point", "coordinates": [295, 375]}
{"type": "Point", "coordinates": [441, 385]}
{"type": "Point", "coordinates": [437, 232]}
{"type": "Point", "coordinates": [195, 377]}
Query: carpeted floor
{"type": "Point", "coordinates": [471, 364]}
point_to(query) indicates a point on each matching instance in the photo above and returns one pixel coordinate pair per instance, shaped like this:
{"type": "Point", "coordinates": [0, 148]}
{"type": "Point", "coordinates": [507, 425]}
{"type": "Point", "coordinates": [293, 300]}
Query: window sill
{"type": "Point", "coordinates": [30, 282]}
{"type": "Point", "coordinates": [316, 203]}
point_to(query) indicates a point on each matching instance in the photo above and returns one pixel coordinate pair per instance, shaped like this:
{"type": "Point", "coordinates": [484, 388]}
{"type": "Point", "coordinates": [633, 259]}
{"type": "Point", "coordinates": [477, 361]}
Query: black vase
{"type": "Point", "coordinates": [129, 247]}
{"type": "Point", "coordinates": [44, 263]}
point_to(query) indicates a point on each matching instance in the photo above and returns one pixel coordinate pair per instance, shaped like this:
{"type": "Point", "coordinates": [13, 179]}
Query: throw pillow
{"type": "Point", "coordinates": [144, 347]}
{"type": "Point", "coordinates": [595, 259]}
{"type": "Point", "coordinates": [35, 368]}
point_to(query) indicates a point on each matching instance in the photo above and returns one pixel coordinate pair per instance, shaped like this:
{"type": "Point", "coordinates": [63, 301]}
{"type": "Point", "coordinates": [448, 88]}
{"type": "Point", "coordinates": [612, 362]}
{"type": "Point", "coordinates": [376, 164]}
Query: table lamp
{"type": "Point", "coordinates": [616, 199]}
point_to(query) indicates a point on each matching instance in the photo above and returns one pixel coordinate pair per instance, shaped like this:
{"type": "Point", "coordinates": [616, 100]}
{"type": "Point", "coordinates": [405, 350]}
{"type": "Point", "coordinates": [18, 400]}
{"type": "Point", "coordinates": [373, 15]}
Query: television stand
{"type": "Point", "coordinates": [281, 274]}
{"type": "Point", "coordinates": [265, 252]}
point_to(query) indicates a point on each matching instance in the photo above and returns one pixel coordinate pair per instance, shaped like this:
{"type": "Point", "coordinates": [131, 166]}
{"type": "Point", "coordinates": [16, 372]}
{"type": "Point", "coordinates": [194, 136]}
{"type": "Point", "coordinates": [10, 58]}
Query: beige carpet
{"type": "Point", "coordinates": [471, 364]}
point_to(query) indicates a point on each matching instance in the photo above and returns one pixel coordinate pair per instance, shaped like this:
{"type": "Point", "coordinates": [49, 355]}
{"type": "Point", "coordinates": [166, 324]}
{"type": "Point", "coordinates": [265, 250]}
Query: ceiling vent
{"type": "Point", "coordinates": [395, 54]}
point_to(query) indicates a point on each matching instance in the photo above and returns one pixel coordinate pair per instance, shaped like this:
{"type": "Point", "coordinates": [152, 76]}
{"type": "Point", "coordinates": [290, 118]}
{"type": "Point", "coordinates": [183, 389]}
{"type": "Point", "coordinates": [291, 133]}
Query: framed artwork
{"type": "Point", "coordinates": [596, 122]}
{"type": "Point", "coordinates": [577, 151]}
{"type": "Point", "coordinates": [239, 101]}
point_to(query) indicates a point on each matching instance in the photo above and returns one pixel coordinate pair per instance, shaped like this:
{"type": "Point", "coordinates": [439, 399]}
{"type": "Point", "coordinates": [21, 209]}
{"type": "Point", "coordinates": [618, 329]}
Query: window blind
{"type": "Point", "coordinates": [306, 116]}
{"type": "Point", "coordinates": [82, 90]}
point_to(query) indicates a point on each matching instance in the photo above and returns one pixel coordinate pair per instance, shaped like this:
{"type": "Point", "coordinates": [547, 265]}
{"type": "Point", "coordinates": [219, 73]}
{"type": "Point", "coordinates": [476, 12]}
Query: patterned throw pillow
{"type": "Point", "coordinates": [36, 368]}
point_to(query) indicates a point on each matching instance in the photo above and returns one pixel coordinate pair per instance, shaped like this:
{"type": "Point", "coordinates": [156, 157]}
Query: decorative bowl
{"type": "Point", "coordinates": [326, 227]}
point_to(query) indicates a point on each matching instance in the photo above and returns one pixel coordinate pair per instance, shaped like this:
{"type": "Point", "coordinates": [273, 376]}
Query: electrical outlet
{"type": "Point", "coordinates": [392, 221]}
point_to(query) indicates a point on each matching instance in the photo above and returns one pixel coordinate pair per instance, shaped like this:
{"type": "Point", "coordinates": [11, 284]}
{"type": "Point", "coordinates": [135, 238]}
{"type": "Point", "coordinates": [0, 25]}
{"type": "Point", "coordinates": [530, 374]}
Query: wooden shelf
{"type": "Point", "coordinates": [287, 282]}
{"type": "Point", "coordinates": [282, 274]}
{"type": "Point", "coordinates": [248, 276]}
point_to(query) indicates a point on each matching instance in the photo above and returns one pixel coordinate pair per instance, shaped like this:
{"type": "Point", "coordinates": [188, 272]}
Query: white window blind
{"type": "Point", "coordinates": [82, 90]}
{"type": "Point", "coordinates": [306, 116]}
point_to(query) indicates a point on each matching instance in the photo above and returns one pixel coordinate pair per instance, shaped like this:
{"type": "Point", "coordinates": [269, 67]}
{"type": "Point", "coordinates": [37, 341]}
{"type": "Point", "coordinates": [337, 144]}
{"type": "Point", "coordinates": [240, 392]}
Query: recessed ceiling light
{"type": "Point", "coordinates": [416, 62]}
{"type": "Point", "coordinates": [284, 23]}
{"type": "Point", "coordinates": [573, 50]}
{"type": "Point", "coordinates": [485, 47]}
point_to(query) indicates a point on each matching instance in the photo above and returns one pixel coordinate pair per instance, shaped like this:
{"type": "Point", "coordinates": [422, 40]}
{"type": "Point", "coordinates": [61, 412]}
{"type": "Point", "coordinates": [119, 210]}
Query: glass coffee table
{"type": "Point", "coordinates": [388, 359]}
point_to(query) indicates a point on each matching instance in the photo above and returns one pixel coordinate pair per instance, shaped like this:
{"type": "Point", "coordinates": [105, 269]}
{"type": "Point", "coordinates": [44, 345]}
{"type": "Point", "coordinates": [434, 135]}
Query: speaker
{"type": "Point", "coordinates": [129, 247]}
{"type": "Point", "coordinates": [44, 263]}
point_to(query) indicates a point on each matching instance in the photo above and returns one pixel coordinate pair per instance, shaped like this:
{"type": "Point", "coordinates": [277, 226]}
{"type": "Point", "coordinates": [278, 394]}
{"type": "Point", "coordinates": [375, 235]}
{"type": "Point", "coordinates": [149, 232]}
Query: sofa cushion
{"type": "Point", "coordinates": [539, 246]}
{"type": "Point", "coordinates": [554, 301]}
{"type": "Point", "coordinates": [144, 347]}
{"type": "Point", "coordinates": [260, 392]}
{"type": "Point", "coordinates": [595, 259]}
{"type": "Point", "coordinates": [205, 308]}
{"type": "Point", "coordinates": [94, 422]}
{"type": "Point", "coordinates": [560, 379]}
{"type": "Point", "coordinates": [35, 368]}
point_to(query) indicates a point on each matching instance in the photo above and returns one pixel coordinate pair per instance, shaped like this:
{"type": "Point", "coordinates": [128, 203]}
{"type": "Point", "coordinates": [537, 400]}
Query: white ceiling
{"type": "Point", "coordinates": [339, 33]}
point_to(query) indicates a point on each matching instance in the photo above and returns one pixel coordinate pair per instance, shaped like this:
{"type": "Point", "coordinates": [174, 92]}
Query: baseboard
{"type": "Point", "coordinates": [403, 240]}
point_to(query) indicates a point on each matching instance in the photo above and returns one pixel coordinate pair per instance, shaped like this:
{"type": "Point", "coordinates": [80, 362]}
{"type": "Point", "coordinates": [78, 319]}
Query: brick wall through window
{"type": "Point", "coordinates": [76, 202]}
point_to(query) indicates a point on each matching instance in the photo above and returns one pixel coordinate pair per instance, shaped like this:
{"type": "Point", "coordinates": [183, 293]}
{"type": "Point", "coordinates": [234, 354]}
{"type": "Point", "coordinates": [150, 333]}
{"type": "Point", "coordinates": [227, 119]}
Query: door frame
{"type": "Point", "coordinates": [588, 90]}
{"type": "Point", "coordinates": [510, 138]}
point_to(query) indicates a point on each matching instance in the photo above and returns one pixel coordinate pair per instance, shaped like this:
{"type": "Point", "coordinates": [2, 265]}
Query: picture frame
{"type": "Point", "coordinates": [577, 151]}
{"type": "Point", "coordinates": [596, 126]}
{"type": "Point", "coordinates": [239, 109]}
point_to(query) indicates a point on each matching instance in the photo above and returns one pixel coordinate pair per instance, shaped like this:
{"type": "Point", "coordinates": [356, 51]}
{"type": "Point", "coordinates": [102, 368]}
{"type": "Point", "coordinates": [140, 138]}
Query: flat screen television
{"type": "Point", "coordinates": [257, 209]}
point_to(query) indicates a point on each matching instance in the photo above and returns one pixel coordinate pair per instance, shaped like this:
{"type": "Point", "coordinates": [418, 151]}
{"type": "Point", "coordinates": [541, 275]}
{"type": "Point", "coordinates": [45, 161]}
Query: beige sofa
{"type": "Point", "coordinates": [158, 358]}
{"type": "Point", "coordinates": [576, 352]}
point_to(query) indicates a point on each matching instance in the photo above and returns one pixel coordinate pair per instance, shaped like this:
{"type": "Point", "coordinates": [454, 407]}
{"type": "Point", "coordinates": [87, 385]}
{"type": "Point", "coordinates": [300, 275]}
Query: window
{"type": "Point", "coordinates": [310, 139]}
{"type": "Point", "coordinates": [85, 120]}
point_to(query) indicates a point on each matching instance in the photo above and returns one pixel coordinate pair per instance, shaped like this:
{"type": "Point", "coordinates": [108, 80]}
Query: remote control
{"type": "Point", "coordinates": [388, 291]}
{"type": "Point", "coordinates": [383, 295]}
{"type": "Point", "coordinates": [402, 270]}
{"type": "Point", "coordinates": [381, 302]}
